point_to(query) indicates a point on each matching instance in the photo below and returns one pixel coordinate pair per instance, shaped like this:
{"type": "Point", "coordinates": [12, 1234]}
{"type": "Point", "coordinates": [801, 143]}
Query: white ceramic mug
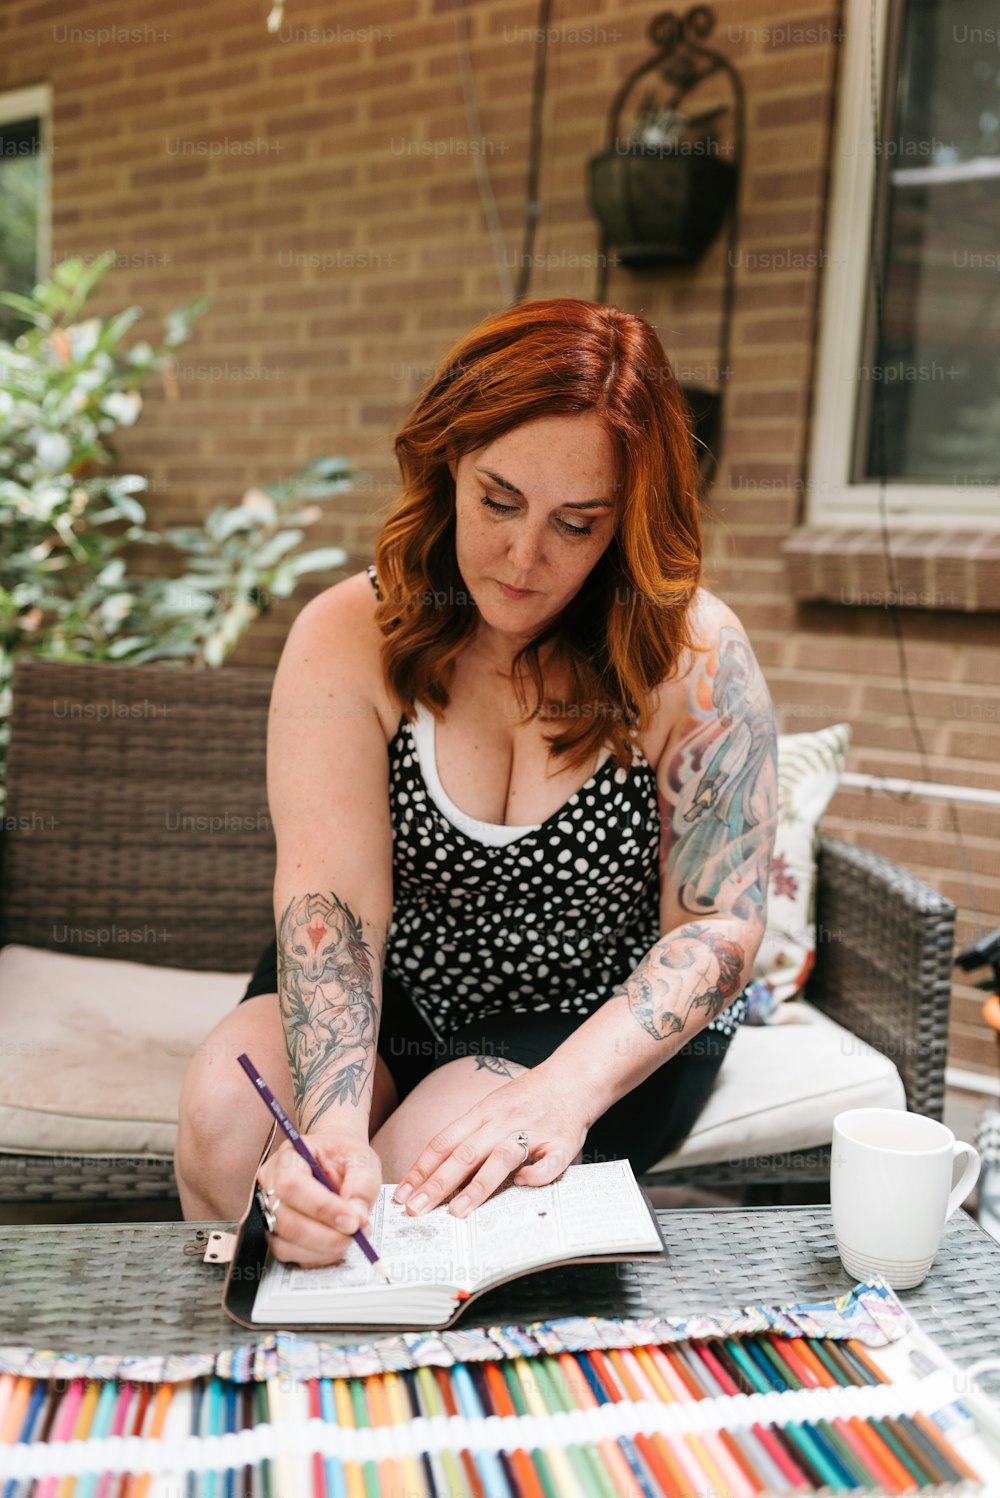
{"type": "Point", "coordinates": [891, 1191]}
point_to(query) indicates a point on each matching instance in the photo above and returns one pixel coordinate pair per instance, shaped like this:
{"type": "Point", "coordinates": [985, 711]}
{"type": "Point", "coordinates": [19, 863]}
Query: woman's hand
{"type": "Point", "coordinates": [479, 1151]}
{"type": "Point", "coordinates": [313, 1226]}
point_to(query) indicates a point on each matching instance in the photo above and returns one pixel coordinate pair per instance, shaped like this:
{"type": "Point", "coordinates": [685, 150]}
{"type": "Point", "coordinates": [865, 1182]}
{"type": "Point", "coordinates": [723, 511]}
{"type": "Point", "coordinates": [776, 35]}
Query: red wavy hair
{"type": "Point", "coordinates": [626, 628]}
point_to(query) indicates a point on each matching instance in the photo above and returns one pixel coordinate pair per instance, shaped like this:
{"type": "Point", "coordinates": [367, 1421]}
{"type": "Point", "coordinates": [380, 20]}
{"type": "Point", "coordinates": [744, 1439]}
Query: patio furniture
{"type": "Point", "coordinates": [135, 895]}
{"type": "Point", "coordinates": [145, 1286]}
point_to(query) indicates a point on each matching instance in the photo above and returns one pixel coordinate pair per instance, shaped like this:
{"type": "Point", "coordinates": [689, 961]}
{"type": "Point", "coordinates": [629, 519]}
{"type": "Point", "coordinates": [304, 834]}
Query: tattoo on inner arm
{"type": "Point", "coordinates": [655, 991]}
{"type": "Point", "coordinates": [326, 995]}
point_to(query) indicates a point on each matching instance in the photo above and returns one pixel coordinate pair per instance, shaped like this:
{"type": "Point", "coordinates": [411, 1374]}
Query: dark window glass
{"type": "Point", "coordinates": [938, 364]}
{"type": "Point", "coordinates": [20, 206]}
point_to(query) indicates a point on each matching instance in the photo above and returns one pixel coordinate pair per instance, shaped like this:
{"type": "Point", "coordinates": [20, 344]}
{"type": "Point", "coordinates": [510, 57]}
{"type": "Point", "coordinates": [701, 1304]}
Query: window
{"type": "Point", "coordinates": [24, 196]}
{"type": "Point", "coordinates": [921, 404]}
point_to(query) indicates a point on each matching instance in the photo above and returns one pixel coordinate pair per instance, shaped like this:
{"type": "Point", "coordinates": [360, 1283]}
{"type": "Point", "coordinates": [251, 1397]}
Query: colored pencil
{"type": "Point", "coordinates": [62, 1430]}
{"type": "Point", "coordinates": [557, 1458]}
{"type": "Point", "coordinates": [936, 1438]}
{"type": "Point", "coordinates": [847, 1370]}
{"type": "Point", "coordinates": [504, 1390]}
{"type": "Point", "coordinates": [849, 1458]}
{"type": "Point", "coordinates": [353, 1473]}
{"type": "Point", "coordinates": [732, 1367]}
{"type": "Point", "coordinates": [266, 1466]}
{"type": "Point", "coordinates": [897, 1479]}
{"type": "Point", "coordinates": [449, 1463]}
{"type": "Point", "coordinates": [822, 1352]}
{"type": "Point", "coordinates": [336, 1481]}
{"type": "Point", "coordinates": [903, 1457]}
{"type": "Point", "coordinates": [792, 1355]}
{"type": "Point", "coordinates": [449, 1398]}
{"type": "Point", "coordinates": [684, 1374]}
{"type": "Point", "coordinates": [786, 1464]}
{"type": "Point", "coordinates": [761, 1462]}
{"type": "Point", "coordinates": [490, 1467]}
{"type": "Point", "coordinates": [748, 1458]}
{"type": "Point", "coordinates": [758, 1383]}
{"type": "Point", "coordinates": [926, 1462]}
{"type": "Point", "coordinates": [732, 1471]}
{"type": "Point", "coordinates": [161, 1407]}
{"type": "Point", "coordinates": [831, 1456]}
{"type": "Point", "coordinates": [813, 1463]}
{"type": "Point", "coordinates": [865, 1358]}
{"type": "Point", "coordinates": [318, 1466]}
{"type": "Point", "coordinates": [18, 1398]}
{"type": "Point", "coordinates": [721, 1376]}
{"type": "Point", "coordinates": [821, 1372]}
{"type": "Point", "coordinates": [589, 1393]}
{"type": "Point", "coordinates": [706, 1461]}
{"type": "Point", "coordinates": [771, 1378]}
{"type": "Point", "coordinates": [699, 1370]}
{"type": "Point", "coordinates": [782, 1367]}
{"type": "Point", "coordinates": [646, 1482]}
{"type": "Point", "coordinates": [689, 1464]}
{"type": "Point", "coordinates": [299, 1145]}
{"type": "Point", "coordinates": [590, 1461]}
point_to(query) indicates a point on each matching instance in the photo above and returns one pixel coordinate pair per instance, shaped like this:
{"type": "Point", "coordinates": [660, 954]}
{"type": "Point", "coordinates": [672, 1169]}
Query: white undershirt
{"type": "Point", "coordinates": [491, 834]}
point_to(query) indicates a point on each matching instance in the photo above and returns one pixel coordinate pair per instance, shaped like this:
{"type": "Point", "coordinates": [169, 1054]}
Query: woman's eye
{"type": "Point", "coordinates": [573, 530]}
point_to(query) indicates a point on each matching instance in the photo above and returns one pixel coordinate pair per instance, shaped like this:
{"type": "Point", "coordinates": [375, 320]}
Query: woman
{"type": "Point", "coordinates": [522, 779]}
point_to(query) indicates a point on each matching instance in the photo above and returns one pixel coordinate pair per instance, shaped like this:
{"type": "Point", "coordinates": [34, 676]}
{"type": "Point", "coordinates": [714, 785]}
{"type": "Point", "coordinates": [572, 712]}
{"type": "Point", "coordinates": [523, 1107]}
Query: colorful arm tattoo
{"type": "Point", "coordinates": [718, 790]}
{"type": "Point", "coordinates": [718, 808]}
{"type": "Point", "coordinates": [328, 1008]}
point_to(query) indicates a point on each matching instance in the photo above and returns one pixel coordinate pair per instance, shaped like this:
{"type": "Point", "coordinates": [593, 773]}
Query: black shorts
{"type": "Point", "coordinates": [643, 1126]}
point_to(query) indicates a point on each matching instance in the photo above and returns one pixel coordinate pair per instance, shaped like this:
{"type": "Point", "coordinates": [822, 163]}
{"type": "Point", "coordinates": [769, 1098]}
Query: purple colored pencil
{"type": "Point", "coordinates": [299, 1144]}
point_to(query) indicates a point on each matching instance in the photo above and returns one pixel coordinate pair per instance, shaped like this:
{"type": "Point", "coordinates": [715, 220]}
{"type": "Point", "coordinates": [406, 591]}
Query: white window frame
{"type": "Point", "coordinates": [832, 498]}
{"type": "Point", "coordinates": [35, 102]}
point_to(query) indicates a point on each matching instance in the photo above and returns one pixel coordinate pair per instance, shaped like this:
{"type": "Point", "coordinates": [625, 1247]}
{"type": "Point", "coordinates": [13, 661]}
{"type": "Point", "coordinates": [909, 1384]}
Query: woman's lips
{"type": "Point", "coordinates": [514, 592]}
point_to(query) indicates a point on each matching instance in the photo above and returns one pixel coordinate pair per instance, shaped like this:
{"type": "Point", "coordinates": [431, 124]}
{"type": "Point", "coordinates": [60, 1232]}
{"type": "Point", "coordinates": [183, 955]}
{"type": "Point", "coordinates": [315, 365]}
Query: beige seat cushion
{"type": "Point", "coordinates": [94, 1050]}
{"type": "Point", "coordinates": [782, 1085]}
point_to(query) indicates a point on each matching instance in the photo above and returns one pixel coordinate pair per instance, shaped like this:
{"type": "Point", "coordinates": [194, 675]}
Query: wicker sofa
{"type": "Point", "coordinates": [136, 830]}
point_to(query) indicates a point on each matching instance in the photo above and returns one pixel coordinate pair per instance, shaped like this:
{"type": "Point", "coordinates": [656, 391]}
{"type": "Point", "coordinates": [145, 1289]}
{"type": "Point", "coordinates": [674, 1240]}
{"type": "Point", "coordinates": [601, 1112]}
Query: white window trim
{"type": "Point", "coordinates": [832, 499]}
{"type": "Point", "coordinates": [33, 102]}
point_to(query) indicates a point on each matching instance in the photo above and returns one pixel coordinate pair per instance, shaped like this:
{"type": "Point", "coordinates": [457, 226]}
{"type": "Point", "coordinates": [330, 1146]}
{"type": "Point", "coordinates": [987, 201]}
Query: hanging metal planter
{"type": "Point", "coordinates": [662, 204]}
{"type": "Point", "coordinates": [666, 184]}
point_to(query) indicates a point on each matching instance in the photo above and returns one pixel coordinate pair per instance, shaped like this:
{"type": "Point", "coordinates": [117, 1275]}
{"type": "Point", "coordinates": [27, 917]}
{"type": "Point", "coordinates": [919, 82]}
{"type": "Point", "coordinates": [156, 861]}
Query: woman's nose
{"type": "Point", "coordinates": [524, 547]}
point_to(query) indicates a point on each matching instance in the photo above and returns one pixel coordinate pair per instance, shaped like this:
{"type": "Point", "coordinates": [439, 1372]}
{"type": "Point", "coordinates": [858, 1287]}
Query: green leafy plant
{"type": "Point", "coordinates": [66, 593]}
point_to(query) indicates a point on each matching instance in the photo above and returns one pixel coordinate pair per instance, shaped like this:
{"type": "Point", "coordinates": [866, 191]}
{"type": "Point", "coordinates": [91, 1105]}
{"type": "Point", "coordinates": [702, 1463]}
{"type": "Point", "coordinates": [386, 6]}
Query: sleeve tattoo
{"type": "Point", "coordinates": [718, 814]}
{"type": "Point", "coordinates": [325, 982]}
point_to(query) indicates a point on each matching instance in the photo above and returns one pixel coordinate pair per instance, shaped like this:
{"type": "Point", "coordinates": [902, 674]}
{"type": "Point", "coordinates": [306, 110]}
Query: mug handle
{"type": "Point", "coordinates": [970, 1176]}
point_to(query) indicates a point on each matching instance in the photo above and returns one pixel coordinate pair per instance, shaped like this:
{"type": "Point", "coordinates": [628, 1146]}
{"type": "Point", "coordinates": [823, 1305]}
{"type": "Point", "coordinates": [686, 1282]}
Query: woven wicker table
{"type": "Point", "coordinates": [143, 1288]}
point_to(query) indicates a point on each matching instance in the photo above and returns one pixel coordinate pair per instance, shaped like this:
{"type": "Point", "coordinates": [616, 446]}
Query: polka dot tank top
{"type": "Point", "coordinates": [497, 920]}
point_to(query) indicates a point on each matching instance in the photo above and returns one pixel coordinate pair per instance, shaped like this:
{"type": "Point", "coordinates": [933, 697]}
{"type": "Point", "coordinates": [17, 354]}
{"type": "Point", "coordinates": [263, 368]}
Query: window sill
{"type": "Point", "coordinates": [934, 569]}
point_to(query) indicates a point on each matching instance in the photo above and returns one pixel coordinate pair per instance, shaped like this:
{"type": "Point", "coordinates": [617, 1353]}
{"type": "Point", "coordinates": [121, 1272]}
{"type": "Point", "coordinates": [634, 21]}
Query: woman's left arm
{"type": "Point", "coordinates": [717, 785]}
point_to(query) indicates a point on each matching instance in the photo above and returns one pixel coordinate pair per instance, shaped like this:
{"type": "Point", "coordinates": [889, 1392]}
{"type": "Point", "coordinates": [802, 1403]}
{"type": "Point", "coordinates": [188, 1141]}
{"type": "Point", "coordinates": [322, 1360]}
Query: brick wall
{"type": "Point", "coordinates": [320, 185]}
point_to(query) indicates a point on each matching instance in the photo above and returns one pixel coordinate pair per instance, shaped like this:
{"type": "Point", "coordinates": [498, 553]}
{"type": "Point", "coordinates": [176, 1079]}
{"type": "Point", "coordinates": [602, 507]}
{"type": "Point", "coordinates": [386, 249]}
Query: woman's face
{"type": "Point", "coordinates": [535, 510]}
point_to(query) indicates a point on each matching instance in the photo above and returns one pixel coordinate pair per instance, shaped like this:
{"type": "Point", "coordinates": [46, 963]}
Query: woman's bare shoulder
{"type": "Point", "coordinates": [338, 627]}
{"type": "Point", "coordinates": [707, 618]}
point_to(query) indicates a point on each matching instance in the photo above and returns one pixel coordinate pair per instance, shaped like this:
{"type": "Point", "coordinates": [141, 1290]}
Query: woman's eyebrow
{"type": "Point", "coordinates": [569, 504]}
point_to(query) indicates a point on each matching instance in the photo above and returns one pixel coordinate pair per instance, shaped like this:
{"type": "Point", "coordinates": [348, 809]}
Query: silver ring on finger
{"type": "Point", "coordinates": [268, 1204]}
{"type": "Point", "coordinates": [521, 1140]}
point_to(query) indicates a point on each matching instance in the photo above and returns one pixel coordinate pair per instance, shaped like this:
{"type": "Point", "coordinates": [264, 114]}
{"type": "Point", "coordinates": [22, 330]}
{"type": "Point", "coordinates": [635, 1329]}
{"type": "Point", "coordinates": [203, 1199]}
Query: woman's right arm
{"type": "Point", "coordinates": [328, 791]}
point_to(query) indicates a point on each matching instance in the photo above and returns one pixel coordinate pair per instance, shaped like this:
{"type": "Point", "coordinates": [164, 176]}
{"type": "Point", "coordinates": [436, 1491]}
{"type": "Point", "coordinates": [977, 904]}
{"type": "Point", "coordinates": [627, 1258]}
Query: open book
{"type": "Point", "coordinates": [436, 1263]}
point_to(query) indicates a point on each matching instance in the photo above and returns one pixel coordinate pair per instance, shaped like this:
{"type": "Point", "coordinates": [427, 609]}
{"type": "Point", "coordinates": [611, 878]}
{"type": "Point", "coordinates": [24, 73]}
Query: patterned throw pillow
{"type": "Point", "coordinates": [809, 768]}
